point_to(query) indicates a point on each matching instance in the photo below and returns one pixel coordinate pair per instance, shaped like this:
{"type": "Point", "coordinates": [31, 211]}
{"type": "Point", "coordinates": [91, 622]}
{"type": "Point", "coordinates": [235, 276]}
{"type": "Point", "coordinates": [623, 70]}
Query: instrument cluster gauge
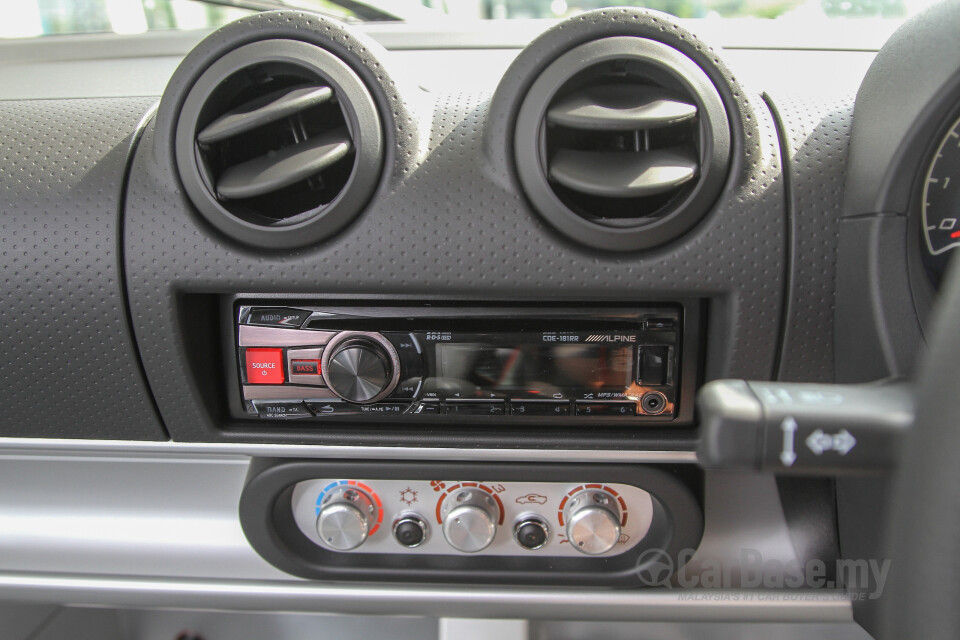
{"type": "Point", "coordinates": [940, 206]}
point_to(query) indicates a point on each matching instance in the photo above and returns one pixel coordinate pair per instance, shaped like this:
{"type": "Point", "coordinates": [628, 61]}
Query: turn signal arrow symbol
{"type": "Point", "coordinates": [843, 442]}
{"type": "Point", "coordinates": [820, 442]}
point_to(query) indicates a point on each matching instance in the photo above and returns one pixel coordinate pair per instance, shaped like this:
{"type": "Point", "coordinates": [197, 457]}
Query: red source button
{"type": "Point", "coordinates": [265, 366]}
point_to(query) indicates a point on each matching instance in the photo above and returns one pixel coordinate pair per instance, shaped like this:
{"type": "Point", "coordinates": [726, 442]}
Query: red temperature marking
{"type": "Point", "coordinates": [572, 492]}
{"type": "Point", "coordinates": [482, 487]}
{"type": "Point", "coordinates": [496, 499]}
{"type": "Point", "coordinates": [376, 498]}
{"type": "Point", "coordinates": [442, 498]}
{"type": "Point", "coordinates": [955, 234]}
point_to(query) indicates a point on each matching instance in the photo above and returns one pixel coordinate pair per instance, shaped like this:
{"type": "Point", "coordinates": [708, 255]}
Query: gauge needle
{"type": "Point", "coordinates": [955, 234]}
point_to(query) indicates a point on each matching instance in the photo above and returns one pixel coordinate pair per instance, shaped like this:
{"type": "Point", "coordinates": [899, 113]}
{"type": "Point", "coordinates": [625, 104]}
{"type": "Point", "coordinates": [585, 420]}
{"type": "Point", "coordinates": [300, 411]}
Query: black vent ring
{"type": "Point", "coordinates": [279, 144]}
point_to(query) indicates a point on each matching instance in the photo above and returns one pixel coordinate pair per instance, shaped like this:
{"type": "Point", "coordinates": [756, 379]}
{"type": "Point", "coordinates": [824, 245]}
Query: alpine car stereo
{"type": "Point", "coordinates": [384, 364]}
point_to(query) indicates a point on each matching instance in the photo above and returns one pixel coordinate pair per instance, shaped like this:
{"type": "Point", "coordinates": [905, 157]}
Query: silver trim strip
{"type": "Point", "coordinates": [504, 602]}
{"type": "Point", "coordinates": [256, 336]}
{"type": "Point", "coordinates": [285, 392]}
{"type": "Point", "coordinates": [127, 447]}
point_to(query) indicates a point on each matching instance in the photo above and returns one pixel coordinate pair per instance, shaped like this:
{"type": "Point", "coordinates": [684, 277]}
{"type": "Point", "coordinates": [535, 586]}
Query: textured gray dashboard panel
{"type": "Point", "coordinates": [447, 224]}
{"type": "Point", "coordinates": [817, 136]}
{"type": "Point", "coordinates": [68, 367]}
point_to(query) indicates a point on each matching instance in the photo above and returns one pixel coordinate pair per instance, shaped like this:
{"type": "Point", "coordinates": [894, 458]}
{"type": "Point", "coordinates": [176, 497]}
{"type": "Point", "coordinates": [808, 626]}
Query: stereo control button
{"type": "Point", "coordinates": [281, 409]}
{"type": "Point", "coordinates": [337, 408]}
{"type": "Point", "coordinates": [332, 408]}
{"type": "Point", "coordinates": [274, 317]}
{"type": "Point", "coordinates": [661, 324]}
{"type": "Point", "coordinates": [525, 408]}
{"type": "Point", "coordinates": [476, 408]}
{"type": "Point", "coordinates": [305, 367]}
{"type": "Point", "coordinates": [411, 364]}
{"type": "Point", "coordinates": [653, 365]}
{"type": "Point", "coordinates": [359, 370]}
{"type": "Point", "coordinates": [264, 366]}
{"type": "Point", "coordinates": [407, 388]}
{"type": "Point", "coordinates": [428, 408]}
{"type": "Point", "coordinates": [606, 408]}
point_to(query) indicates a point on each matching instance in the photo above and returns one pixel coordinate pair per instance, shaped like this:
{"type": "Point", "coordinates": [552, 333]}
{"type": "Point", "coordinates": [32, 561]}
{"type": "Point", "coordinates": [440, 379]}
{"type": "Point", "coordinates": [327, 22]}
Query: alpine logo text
{"type": "Point", "coordinates": [604, 338]}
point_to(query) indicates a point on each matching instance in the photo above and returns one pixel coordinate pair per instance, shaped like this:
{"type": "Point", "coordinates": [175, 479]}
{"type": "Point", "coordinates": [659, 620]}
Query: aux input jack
{"type": "Point", "coordinates": [653, 402]}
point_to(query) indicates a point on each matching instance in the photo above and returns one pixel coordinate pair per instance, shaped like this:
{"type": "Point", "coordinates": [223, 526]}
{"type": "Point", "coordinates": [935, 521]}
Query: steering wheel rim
{"type": "Point", "coordinates": [923, 596]}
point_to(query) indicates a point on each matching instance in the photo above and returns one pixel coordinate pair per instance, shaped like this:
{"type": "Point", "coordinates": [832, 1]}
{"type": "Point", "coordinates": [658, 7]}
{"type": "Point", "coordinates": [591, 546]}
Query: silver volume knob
{"type": "Point", "coordinates": [360, 367]}
{"type": "Point", "coordinates": [593, 522]}
{"type": "Point", "coordinates": [345, 519]}
{"type": "Point", "coordinates": [471, 519]}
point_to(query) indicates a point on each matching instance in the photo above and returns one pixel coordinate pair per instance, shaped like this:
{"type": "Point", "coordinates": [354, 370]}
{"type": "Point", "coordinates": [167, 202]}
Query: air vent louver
{"type": "Point", "coordinates": [279, 144]}
{"type": "Point", "coordinates": [622, 143]}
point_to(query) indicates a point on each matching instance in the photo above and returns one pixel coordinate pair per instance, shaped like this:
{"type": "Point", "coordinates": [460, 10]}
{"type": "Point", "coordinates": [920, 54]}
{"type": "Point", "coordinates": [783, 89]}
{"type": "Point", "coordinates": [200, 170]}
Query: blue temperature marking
{"type": "Point", "coordinates": [326, 489]}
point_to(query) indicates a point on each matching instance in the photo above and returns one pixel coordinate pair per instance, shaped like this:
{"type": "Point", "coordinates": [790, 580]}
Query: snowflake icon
{"type": "Point", "coordinates": [408, 496]}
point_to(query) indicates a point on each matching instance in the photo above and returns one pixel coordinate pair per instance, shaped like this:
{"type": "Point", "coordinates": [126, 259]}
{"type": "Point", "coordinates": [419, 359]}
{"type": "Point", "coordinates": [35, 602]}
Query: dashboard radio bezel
{"type": "Point", "coordinates": [395, 316]}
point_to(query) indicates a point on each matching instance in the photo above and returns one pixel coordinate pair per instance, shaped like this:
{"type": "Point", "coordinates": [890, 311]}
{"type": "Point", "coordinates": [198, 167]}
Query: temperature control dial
{"type": "Point", "coordinates": [361, 367]}
{"type": "Point", "coordinates": [345, 519]}
{"type": "Point", "coordinates": [593, 522]}
{"type": "Point", "coordinates": [471, 520]}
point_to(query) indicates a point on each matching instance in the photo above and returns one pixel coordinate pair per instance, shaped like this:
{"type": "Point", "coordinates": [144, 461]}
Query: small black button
{"type": "Point", "coordinates": [282, 409]}
{"type": "Point", "coordinates": [606, 408]}
{"type": "Point", "coordinates": [409, 532]}
{"type": "Point", "coordinates": [653, 365]}
{"type": "Point", "coordinates": [524, 408]}
{"type": "Point", "coordinates": [661, 324]}
{"type": "Point", "coordinates": [428, 408]}
{"type": "Point", "coordinates": [278, 317]}
{"type": "Point", "coordinates": [531, 534]}
{"type": "Point", "coordinates": [476, 408]}
{"type": "Point", "coordinates": [408, 387]}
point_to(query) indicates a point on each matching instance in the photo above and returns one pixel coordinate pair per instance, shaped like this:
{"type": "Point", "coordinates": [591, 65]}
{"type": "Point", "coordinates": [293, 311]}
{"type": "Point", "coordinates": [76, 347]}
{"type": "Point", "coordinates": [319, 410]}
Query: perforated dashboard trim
{"type": "Point", "coordinates": [817, 135]}
{"type": "Point", "coordinates": [449, 225]}
{"type": "Point", "coordinates": [68, 368]}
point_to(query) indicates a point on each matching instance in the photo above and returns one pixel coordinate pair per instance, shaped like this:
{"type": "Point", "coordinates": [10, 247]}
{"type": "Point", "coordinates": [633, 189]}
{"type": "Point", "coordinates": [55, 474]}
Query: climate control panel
{"type": "Point", "coordinates": [447, 517]}
{"type": "Point", "coordinates": [471, 522]}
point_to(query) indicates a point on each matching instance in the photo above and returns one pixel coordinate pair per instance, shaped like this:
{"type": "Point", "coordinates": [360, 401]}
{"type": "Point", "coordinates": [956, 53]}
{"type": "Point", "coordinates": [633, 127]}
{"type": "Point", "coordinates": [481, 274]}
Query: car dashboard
{"type": "Point", "coordinates": [307, 317]}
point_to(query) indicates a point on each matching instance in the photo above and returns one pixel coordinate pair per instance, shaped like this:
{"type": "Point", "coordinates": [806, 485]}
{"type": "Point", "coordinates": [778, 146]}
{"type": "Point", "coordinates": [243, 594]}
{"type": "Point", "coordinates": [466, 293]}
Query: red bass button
{"type": "Point", "coordinates": [265, 366]}
{"type": "Point", "coordinates": [305, 367]}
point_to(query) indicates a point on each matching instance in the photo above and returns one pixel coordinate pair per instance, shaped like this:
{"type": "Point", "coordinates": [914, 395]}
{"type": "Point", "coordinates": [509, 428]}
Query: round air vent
{"type": "Point", "coordinates": [622, 143]}
{"type": "Point", "coordinates": [279, 144]}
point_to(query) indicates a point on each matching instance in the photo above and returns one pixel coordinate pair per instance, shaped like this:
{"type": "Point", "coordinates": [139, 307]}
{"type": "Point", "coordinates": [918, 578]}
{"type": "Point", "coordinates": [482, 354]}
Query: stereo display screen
{"type": "Point", "coordinates": [535, 368]}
